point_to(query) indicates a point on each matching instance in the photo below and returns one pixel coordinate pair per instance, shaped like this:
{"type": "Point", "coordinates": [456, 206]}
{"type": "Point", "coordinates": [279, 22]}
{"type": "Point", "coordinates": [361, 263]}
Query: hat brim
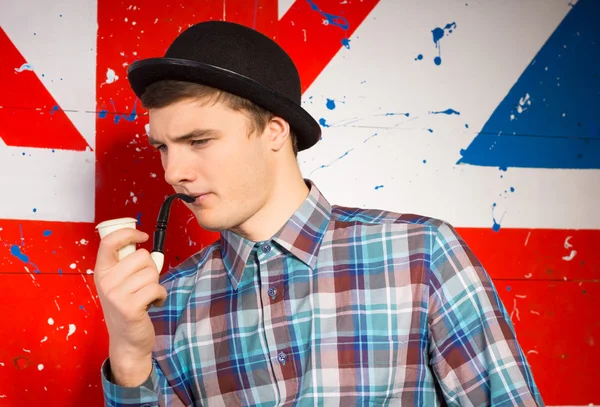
{"type": "Point", "coordinates": [143, 73]}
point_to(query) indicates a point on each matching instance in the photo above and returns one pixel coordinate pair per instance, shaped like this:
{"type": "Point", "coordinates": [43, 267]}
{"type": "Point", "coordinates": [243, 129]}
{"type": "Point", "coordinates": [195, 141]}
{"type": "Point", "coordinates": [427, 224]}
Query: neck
{"type": "Point", "coordinates": [288, 192]}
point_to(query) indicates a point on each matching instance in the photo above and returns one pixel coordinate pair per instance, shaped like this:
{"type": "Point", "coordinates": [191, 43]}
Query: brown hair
{"type": "Point", "coordinates": [163, 93]}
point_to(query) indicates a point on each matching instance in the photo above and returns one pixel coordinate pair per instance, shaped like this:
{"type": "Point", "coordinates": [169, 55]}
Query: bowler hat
{"type": "Point", "coordinates": [236, 59]}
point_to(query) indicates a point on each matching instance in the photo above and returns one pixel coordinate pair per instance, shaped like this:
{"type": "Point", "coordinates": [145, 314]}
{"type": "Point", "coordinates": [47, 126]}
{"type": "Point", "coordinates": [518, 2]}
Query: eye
{"type": "Point", "coordinates": [162, 148]}
{"type": "Point", "coordinates": [200, 142]}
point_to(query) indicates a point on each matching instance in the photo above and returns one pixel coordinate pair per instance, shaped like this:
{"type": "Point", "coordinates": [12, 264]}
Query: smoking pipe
{"type": "Point", "coordinates": [160, 233]}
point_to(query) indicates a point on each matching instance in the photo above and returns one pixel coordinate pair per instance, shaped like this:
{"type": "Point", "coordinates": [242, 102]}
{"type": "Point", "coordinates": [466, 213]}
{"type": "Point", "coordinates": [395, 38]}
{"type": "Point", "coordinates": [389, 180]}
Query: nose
{"type": "Point", "coordinates": [178, 168]}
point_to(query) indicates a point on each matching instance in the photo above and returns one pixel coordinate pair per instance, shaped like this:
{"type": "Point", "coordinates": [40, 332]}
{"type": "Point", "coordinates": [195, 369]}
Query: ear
{"type": "Point", "coordinates": [277, 132]}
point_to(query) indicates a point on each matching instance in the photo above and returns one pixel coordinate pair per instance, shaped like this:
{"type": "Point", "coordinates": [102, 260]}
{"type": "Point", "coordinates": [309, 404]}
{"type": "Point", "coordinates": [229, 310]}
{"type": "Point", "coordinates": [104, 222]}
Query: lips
{"type": "Point", "coordinates": [199, 197]}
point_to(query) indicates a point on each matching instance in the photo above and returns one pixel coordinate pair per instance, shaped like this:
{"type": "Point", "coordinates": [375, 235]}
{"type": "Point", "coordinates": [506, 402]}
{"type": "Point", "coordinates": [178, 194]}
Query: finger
{"type": "Point", "coordinates": [139, 280]}
{"type": "Point", "coordinates": [150, 294]}
{"type": "Point", "coordinates": [118, 275]}
{"type": "Point", "coordinates": [108, 250]}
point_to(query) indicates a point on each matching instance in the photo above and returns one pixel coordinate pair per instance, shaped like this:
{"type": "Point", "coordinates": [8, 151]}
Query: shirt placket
{"type": "Point", "coordinates": [270, 263]}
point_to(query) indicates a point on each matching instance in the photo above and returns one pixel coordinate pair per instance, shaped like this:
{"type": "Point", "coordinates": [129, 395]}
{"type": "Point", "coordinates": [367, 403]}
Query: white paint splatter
{"type": "Point", "coordinates": [515, 311]}
{"type": "Point", "coordinates": [24, 67]}
{"type": "Point", "coordinates": [72, 329]}
{"type": "Point", "coordinates": [133, 23]}
{"type": "Point", "coordinates": [89, 289]}
{"type": "Point", "coordinates": [73, 266]}
{"type": "Point", "coordinates": [535, 312]}
{"type": "Point", "coordinates": [568, 245]}
{"type": "Point", "coordinates": [50, 321]}
{"type": "Point", "coordinates": [156, 21]}
{"type": "Point", "coordinates": [147, 128]}
{"type": "Point", "coordinates": [1, 364]}
{"type": "Point", "coordinates": [32, 276]}
{"type": "Point", "coordinates": [520, 296]}
{"type": "Point", "coordinates": [44, 340]}
{"type": "Point", "coordinates": [84, 242]}
{"type": "Point", "coordinates": [56, 305]}
{"type": "Point", "coordinates": [524, 102]}
{"type": "Point", "coordinates": [528, 275]}
{"type": "Point", "coordinates": [570, 256]}
{"type": "Point", "coordinates": [153, 175]}
{"type": "Point", "coordinates": [26, 350]}
{"type": "Point", "coordinates": [40, 367]}
{"type": "Point", "coordinates": [88, 271]}
{"type": "Point", "coordinates": [111, 77]}
{"type": "Point", "coordinates": [533, 351]}
{"type": "Point", "coordinates": [527, 239]}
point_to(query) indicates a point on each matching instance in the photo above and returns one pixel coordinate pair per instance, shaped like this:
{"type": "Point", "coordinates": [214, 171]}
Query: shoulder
{"type": "Point", "coordinates": [341, 215]}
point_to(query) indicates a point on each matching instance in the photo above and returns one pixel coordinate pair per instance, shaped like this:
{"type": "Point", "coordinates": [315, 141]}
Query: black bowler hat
{"type": "Point", "coordinates": [238, 60]}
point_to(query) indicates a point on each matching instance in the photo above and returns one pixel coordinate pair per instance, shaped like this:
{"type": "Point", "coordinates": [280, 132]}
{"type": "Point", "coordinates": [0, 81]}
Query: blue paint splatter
{"type": "Point", "coordinates": [102, 114]}
{"type": "Point", "coordinates": [378, 187]}
{"type": "Point", "coordinates": [438, 34]}
{"type": "Point", "coordinates": [397, 114]}
{"type": "Point", "coordinates": [346, 42]}
{"type": "Point", "coordinates": [16, 252]}
{"type": "Point", "coordinates": [331, 163]}
{"type": "Point", "coordinates": [330, 104]}
{"type": "Point", "coordinates": [496, 226]}
{"type": "Point", "coordinates": [467, 126]}
{"type": "Point", "coordinates": [561, 128]}
{"type": "Point", "coordinates": [419, 57]}
{"type": "Point", "coordinates": [54, 109]}
{"type": "Point", "coordinates": [507, 288]}
{"type": "Point", "coordinates": [139, 217]}
{"type": "Point", "coordinates": [81, 307]}
{"type": "Point", "coordinates": [370, 137]}
{"type": "Point", "coordinates": [331, 19]}
{"type": "Point", "coordinates": [130, 118]}
{"type": "Point", "coordinates": [34, 210]}
{"type": "Point", "coordinates": [47, 233]}
{"type": "Point", "coordinates": [424, 161]}
{"type": "Point", "coordinates": [60, 272]}
{"type": "Point", "coordinates": [447, 111]}
{"type": "Point", "coordinates": [323, 122]}
{"type": "Point", "coordinates": [512, 189]}
{"type": "Point", "coordinates": [430, 130]}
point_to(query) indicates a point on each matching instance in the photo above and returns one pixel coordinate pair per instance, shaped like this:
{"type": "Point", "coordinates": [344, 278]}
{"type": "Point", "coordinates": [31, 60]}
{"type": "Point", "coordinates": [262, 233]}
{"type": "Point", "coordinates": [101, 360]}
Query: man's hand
{"type": "Point", "coordinates": [126, 289]}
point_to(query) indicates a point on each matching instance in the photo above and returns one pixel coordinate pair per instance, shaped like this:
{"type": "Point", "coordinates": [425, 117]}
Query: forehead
{"type": "Point", "coordinates": [185, 116]}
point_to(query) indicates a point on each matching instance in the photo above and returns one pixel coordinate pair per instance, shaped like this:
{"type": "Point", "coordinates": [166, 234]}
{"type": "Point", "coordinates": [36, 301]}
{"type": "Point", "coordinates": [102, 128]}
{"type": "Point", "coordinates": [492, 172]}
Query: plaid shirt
{"type": "Point", "coordinates": [342, 307]}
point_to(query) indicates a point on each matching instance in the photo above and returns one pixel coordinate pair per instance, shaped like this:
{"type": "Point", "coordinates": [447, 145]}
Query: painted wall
{"type": "Point", "coordinates": [484, 113]}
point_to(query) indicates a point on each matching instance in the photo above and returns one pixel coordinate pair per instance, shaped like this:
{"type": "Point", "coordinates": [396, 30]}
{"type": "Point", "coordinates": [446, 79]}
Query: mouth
{"type": "Point", "coordinates": [199, 198]}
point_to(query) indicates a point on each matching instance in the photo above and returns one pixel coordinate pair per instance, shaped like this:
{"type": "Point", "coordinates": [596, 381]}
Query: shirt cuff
{"type": "Point", "coordinates": [145, 395]}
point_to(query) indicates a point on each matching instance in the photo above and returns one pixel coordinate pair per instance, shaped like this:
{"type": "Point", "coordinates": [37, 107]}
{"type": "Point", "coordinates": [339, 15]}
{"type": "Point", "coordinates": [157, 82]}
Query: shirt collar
{"type": "Point", "coordinates": [301, 236]}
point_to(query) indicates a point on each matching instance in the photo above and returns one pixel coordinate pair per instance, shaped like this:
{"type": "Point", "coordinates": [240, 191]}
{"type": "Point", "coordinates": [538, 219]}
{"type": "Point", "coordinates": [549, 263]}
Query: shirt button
{"type": "Point", "coordinates": [272, 292]}
{"type": "Point", "coordinates": [266, 248]}
{"type": "Point", "coordinates": [282, 357]}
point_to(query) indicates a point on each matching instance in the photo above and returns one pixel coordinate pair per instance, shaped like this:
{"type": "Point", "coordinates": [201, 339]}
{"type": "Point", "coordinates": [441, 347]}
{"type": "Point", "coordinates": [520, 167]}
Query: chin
{"type": "Point", "coordinates": [210, 223]}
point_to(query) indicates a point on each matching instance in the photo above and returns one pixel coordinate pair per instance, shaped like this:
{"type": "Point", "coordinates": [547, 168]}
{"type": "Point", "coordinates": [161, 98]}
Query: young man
{"type": "Point", "coordinates": [299, 303]}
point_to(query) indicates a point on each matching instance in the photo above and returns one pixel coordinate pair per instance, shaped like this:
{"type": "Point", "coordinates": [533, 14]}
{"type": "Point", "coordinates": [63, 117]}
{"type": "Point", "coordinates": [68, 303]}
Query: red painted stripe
{"type": "Point", "coordinates": [29, 115]}
{"type": "Point", "coordinates": [310, 42]}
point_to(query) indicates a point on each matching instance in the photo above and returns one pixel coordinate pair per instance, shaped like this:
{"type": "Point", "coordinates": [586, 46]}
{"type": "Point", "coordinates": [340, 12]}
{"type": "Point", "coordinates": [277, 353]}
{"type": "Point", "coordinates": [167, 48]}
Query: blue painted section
{"type": "Point", "coordinates": [551, 116]}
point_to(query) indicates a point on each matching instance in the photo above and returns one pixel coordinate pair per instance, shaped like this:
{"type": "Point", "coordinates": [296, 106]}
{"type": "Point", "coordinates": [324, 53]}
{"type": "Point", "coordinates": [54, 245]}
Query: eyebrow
{"type": "Point", "coordinates": [196, 133]}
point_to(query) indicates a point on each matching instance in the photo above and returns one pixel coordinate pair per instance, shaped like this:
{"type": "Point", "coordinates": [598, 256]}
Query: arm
{"type": "Point", "coordinates": [474, 352]}
{"type": "Point", "coordinates": [146, 394]}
